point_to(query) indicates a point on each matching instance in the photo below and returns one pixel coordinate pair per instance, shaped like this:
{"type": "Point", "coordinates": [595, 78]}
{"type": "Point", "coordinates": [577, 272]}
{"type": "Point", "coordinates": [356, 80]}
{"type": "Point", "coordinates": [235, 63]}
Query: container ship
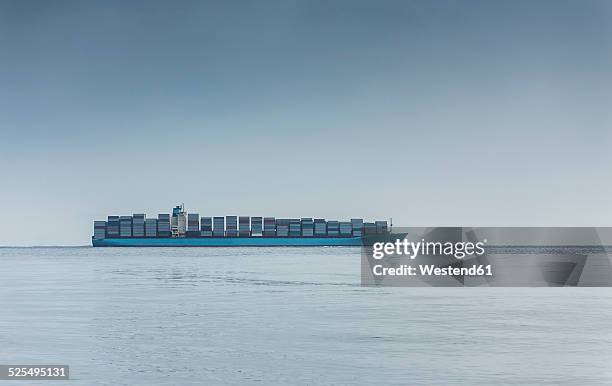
{"type": "Point", "coordinates": [182, 229]}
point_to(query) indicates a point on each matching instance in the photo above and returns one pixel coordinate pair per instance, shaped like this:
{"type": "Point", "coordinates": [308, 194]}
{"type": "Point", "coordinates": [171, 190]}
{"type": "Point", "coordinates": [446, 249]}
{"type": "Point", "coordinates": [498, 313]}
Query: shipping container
{"type": "Point", "coordinates": [112, 226]}
{"type": "Point", "coordinates": [256, 226]}
{"type": "Point", "coordinates": [282, 227]}
{"type": "Point", "coordinates": [163, 225]}
{"type": "Point", "coordinates": [125, 226]}
{"type": "Point", "coordinates": [369, 228]}
{"type": "Point", "coordinates": [320, 227]}
{"type": "Point", "coordinates": [138, 225]}
{"type": "Point", "coordinates": [193, 225]}
{"type": "Point", "coordinates": [269, 227]}
{"type": "Point", "coordinates": [307, 227]}
{"type": "Point", "coordinates": [346, 228]}
{"type": "Point", "coordinates": [231, 226]}
{"type": "Point", "coordinates": [381, 226]}
{"type": "Point", "coordinates": [244, 226]}
{"type": "Point", "coordinates": [99, 229]}
{"type": "Point", "coordinates": [295, 227]}
{"type": "Point", "coordinates": [333, 229]}
{"type": "Point", "coordinates": [150, 227]}
{"type": "Point", "coordinates": [219, 226]}
{"type": "Point", "coordinates": [357, 224]}
{"type": "Point", "coordinates": [206, 227]}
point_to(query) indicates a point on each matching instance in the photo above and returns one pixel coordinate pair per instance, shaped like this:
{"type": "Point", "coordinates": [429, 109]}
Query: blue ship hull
{"type": "Point", "coordinates": [230, 242]}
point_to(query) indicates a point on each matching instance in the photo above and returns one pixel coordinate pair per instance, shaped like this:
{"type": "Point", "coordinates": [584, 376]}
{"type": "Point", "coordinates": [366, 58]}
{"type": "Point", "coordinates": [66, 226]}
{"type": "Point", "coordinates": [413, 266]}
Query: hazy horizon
{"type": "Point", "coordinates": [435, 113]}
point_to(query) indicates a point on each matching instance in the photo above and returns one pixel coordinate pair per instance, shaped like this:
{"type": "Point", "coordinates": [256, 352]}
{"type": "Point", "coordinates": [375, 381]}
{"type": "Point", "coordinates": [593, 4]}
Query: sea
{"type": "Point", "coordinates": [285, 316]}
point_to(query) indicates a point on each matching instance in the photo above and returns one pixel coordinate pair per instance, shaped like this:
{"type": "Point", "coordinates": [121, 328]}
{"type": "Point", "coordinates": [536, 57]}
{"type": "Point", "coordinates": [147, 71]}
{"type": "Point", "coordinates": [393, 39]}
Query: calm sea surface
{"type": "Point", "coordinates": [285, 316]}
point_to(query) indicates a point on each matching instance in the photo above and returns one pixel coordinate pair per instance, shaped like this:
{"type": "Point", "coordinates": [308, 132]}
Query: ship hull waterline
{"type": "Point", "coordinates": [229, 242]}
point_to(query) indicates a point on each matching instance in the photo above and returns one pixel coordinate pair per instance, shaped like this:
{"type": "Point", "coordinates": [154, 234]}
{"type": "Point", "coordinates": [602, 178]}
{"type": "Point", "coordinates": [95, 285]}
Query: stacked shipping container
{"type": "Point", "coordinates": [138, 225]}
{"type": "Point", "coordinates": [357, 224]}
{"type": "Point", "coordinates": [206, 227]}
{"type": "Point", "coordinates": [295, 227]}
{"type": "Point", "coordinates": [125, 226]}
{"type": "Point", "coordinates": [269, 227]}
{"type": "Point", "coordinates": [307, 227]}
{"type": "Point", "coordinates": [381, 226]}
{"type": "Point", "coordinates": [193, 225]}
{"type": "Point", "coordinates": [256, 226]}
{"type": "Point", "coordinates": [346, 228]}
{"type": "Point", "coordinates": [232, 226]}
{"type": "Point", "coordinates": [150, 227]}
{"type": "Point", "coordinates": [163, 225]}
{"type": "Point", "coordinates": [282, 227]}
{"type": "Point", "coordinates": [112, 226]}
{"type": "Point", "coordinates": [244, 226]}
{"type": "Point", "coordinates": [333, 229]}
{"type": "Point", "coordinates": [320, 227]}
{"type": "Point", "coordinates": [99, 229]}
{"type": "Point", "coordinates": [218, 226]}
{"type": "Point", "coordinates": [369, 228]}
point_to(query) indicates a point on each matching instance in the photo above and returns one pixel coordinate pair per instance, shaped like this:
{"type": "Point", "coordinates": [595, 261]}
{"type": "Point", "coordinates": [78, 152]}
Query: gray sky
{"type": "Point", "coordinates": [474, 113]}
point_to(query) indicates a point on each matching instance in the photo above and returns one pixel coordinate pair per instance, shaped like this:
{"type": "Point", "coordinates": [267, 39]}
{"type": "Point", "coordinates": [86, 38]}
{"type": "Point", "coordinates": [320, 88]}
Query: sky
{"type": "Point", "coordinates": [434, 113]}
